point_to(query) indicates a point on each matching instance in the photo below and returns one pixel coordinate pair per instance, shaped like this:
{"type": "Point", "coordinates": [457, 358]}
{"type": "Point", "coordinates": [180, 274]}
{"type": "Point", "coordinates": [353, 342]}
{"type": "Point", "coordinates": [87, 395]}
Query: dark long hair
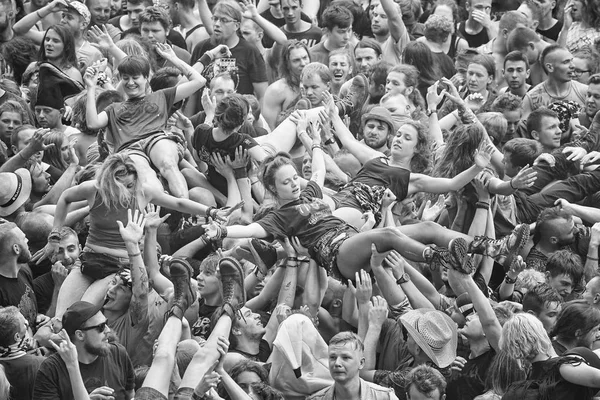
{"type": "Point", "coordinates": [68, 58]}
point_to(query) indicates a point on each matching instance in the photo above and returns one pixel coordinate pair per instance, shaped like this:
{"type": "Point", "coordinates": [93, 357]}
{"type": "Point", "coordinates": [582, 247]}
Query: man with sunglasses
{"type": "Point", "coordinates": [106, 369]}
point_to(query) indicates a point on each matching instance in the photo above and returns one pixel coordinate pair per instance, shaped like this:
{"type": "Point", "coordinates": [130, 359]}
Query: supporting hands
{"type": "Point", "coordinates": [221, 165]}
{"type": "Point", "coordinates": [209, 103]}
{"type": "Point", "coordinates": [240, 160]}
{"type": "Point", "coordinates": [364, 287]}
{"type": "Point", "coordinates": [100, 38]}
{"type": "Point", "coordinates": [525, 178]}
{"type": "Point", "coordinates": [575, 153]}
{"type": "Point", "coordinates": [165, 51]}
{"type": "Point", "coordinates": [378, 312]}
{"type": "Point", "coordinates": [431, 212]}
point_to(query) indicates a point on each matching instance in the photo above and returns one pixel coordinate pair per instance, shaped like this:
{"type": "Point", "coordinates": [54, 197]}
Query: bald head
{"type": "Point", "coordinates": [37, 227]}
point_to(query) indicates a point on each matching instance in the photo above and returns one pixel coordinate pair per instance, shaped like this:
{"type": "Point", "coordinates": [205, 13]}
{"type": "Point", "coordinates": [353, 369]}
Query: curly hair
{"type": "Point", "coordinates": [524, 337]}
{"type": "Point", "coordinates": [590, 14]}
{"type": "Point", "coordinates": [421, 159]}
{"type": "Point", "coordinates": [458, 155]}
{"type": "Point", "coordinates": [437, 28]}
{"type": "Point", "coordinates": [507, 102]}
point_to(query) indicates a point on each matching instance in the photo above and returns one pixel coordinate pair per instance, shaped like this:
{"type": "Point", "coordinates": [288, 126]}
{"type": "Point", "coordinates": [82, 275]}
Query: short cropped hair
{"type": "Point", "coordinates": [565, 262]}
{"type": "Point", "coordinates": [520, 38]}
{"type": "Point", "coordinates": [348, 337]}
{"type": "Point", "coordinates": [515, 56]}
{"type": "Point", "coordinates": [316, 69]}
{"type": "Point", "coordinates": [539, 296]}
{"type": "Point", "coordinates": [426, 380]}
{"type": "Point", "coordinates": [336, 15]}
{"type": "Point", "coordinates": [521, 151]}
{"type": "Point", "coordinates": [156, 14]}
{"type": "Point", "coordinates": [9, 325]}
{"type": "Point", "coordinates": [534, 120]}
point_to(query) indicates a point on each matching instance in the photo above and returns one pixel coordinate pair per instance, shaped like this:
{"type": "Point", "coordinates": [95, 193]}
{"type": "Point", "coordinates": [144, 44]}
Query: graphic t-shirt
{"type": "Point", "coordinates": [246, 61]}
{"type": "Point", "coordinates": [19, 292]}
{"type": "Point", "coordinates": [308, 218]}
{"type": "Point", "coordinates": [205, 145]}
{"type": "Point", "coordinates": [136, 119]}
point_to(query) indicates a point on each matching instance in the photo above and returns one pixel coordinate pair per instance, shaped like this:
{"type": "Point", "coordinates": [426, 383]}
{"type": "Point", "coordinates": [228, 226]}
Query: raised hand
{"type": "Point", "coordinates": [299, 118]}
{"type": "Point", "coordinates": [431, 212]}
{"type": "Point", "coordinates": [133, 232]}
{"type": "Point", "coordinates": [48, 252]}
{"type": "Point", "coordinates": [483, 155]}
{"type": "Point", "coordinates": [153, 218]}
{"type": "Point", "coordinates": [100, 38]}
{"type": "Point", "coordinates": [565, 205]}
{"type": "Point", "coordinates": [396, 262]}
{"type": "Point", "coordinates": [223, 214]}
{"type": "Point", "coordinates": [525, 178]}
{"type": "Point", "coordinates": [433, 97]}
{"type": "Point", "coordinates": [66, 349]}
{"type": "Point", "coordinates": [300, 250]}
{"type": "Point", "coordinates": [282, 312]}
{"type": "Point", "coordinates": [378, 312]}
{"type": "Point", "coordinates": [287, 246]}
{"type": "Point", "coordinates": [388, 198]}
{"type": "Point", "coordinates": [221, 51]}
{"type": "Point", "coordinates": [364, 287]}
{"type": "Point", "coordinates": [474, 101]}
{"type": "Point", "coordinates": [568, 14]}
{"type": "Point", "coordinates": [208, 103]}
{"type": "Point", "coordinates": [482, 17]}
{"type": "Point", "coordinates": [249, 8]}
{"type": "Point", "coordinates": [91, 76]}
{"type": "Point", "coordinates": [452, 91]}
{"type": "Point", "coordinates": [545, 157]}
{"type": "Point", "coordinates": [181, 121]}
{"type": "Point", "coordinates": [480, 183]}
{"type": "Point", "coordinates": [165, 51]}
{"type": "Point", "coordinates": [376, 257]}
{"type": "Point", "coordinates": [222, 347]}
{"type": "Point", "coordinates": [37, 141]}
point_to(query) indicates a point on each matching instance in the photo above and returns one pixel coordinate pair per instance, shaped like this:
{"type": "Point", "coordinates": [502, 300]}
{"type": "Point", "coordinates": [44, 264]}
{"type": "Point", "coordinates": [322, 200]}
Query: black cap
{"type": "Point", "coordinates": [55, 86]}
{"type": "Point", "coordinates": [77, 314]}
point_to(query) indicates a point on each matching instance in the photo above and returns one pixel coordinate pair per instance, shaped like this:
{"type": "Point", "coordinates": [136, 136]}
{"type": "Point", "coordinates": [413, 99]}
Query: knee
{"type": "Point", "coordinates": [168, 165]}
{"type": "Point", "coordinates": [203, 196]}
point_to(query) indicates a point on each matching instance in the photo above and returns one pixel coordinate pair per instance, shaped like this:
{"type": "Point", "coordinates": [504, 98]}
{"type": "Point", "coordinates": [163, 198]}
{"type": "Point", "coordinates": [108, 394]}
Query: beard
{"type": "Point", "coordinates": [24, 256]}
{"type": "Point", "coordinates": [102, 351]}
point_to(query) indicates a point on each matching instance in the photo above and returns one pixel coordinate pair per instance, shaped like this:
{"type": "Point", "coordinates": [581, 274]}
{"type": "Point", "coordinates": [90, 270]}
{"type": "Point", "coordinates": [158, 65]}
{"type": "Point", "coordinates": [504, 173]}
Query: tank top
{"type": "Point", "coordinates": [479, 39]}
{"type": "Point", "coordinates": [375, 172]}
{"type": "Point", "coordinates": [104, 230]}
{"type": "Point", "coordinates": [453, 46]}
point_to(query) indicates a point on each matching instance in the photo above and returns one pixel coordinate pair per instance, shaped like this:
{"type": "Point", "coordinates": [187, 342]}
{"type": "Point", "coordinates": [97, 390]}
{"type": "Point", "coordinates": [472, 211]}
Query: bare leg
{"type": "Point", "coordinates": [146, 175]}
{"type": "Point", "coordinates": [158, 377]}
{"type": "Point", "coordinates": [72, 290]}
{"type": "Point", "coordinates": [195, 178]}
{"type": "Point", "coordinates": [202, 196]}
{"type": "Point", "coordinates": [283, 137]}
{"type": "Point", "coordinates": [165, 156]}
{"type": "Point", "coordinates": [352, 216]}
{"type": "Point", "coordinates": [430, 232]}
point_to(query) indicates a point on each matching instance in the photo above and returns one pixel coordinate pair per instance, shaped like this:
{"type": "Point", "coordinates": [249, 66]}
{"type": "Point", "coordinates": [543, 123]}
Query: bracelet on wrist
{"type": "Point", "coordinates": [254, 182]}
{"type": "Point", "coordinates": [330, 141]}
{"type": "Point", "coordinates": [511, 184]}
{"type": "Point", "coordinates": [591, 258]}
{"type": "Point", "coordinates": [211, 212]}
{"type": "Point", "coordinates": [316, 146]}
{"type": "Point", "coordinates": [206, 59]}
{"type": "Point", "coordinates": [292, 259]}
{"type": "Point", "coordinates": [139, 253]}
{"type": "Point", "coordinates": [509, 280]}
{"type": "Point", "coordinates": [483, 205]}
{"type": "Point", "coordinates": [223, 232]}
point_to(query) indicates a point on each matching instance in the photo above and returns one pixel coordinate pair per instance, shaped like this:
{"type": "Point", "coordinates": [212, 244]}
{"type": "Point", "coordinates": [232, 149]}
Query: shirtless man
{"type": "Point", "coordinates": [283, 94]}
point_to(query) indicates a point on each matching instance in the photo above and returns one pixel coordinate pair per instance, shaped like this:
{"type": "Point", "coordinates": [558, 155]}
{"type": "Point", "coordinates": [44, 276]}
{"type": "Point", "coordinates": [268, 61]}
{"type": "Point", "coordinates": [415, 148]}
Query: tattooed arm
{"type": "Point", "coordinates": [132, 234]}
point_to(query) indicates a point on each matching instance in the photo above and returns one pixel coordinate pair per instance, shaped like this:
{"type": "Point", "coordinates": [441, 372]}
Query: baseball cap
{"type": "Point", "coordinates": [82, 10]}
{"type": "Point", "coordinates": [77, 314]}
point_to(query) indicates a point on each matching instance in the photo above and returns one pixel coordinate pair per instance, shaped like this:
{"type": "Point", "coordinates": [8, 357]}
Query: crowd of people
{"type": "Point", "coordinates": [299, 199]}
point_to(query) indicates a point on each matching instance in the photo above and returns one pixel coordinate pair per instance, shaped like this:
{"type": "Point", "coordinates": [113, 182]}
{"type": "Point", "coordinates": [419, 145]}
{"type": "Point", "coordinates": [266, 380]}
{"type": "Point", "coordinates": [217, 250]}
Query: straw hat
{"type": "Point", "coordinates": [434, 332]}
{"type": "Point", "coordinates": [15, 188]}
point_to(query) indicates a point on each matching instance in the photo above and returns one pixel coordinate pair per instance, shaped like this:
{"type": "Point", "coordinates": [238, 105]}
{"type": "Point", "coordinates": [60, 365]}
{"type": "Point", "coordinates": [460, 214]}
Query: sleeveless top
{"type": "Point", "coordinates": [475, 40]}
{"type": "Point", "coordinates": [453, 46]}
{"type": "Point", "coordinates": [104, 230]}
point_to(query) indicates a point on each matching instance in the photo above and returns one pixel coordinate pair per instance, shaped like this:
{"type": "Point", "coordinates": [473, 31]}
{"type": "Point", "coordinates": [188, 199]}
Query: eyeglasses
{"type": "Point", "coordinates": [223, 20]}
{"type": "Point", "coordinates": [579, 72]}
{"type": "Point", "coordinates": [100, 327]}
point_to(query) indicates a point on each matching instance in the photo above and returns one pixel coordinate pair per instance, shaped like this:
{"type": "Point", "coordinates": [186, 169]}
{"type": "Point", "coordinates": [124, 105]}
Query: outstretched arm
{"type": "Point", "coordinates": [195, 79]}
{"type": "Point", "coordinates": [271, 30]}
{"type": "Point", "coordinates": [394, 16]}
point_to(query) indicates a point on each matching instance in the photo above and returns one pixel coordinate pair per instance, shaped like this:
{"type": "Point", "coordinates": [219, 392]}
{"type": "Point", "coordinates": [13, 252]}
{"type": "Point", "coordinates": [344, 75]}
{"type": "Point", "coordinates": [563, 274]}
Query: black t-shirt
{"type": "Point", "coordinates": [310, 37]}
{"type": "Point", "coordinates": [114, 370]}
{"type": "Point", "coordinates": [470, 382]}
{"type": "Point", "coordinates": [264, 351]}
{"type": "Point", "coordinates": [267, 42]}
{"type": "Point", "coordinates": [204, 144]}
{"type": "Point", "coordinates": [246, 62]}
{"type": "Point", "coordinates": [19, 292]}
{"type": "Point", "coordinates": [479, 39]}
{"type": "Point", "coordinates": [21, 374]}
{"type": "Point", "coordinates": [202, 326]}
{"type": "Point", "coordinates": [551, 33]}
{"type": "Point", "coordinates": [247, 128]}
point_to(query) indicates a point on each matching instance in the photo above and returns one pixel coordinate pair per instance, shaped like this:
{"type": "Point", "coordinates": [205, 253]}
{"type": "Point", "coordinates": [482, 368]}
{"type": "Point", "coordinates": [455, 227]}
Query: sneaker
{"type": "Point", "coordinates": [352, 102]}
{"type": "Point", "coordinates": [462, 262]}
{"type": "Point", "coordinates": [232, 278]}
{"type": "Point", "coordinates": [184, 295]}
{"type": "Point", "coordinates": [505, 250]}
{"type": "Point", "coordinates": [438, 257]}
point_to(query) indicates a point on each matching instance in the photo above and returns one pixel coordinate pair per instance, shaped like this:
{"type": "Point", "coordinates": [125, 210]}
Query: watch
{"type": "Point", "coordinates": [429, 112]}
{"type": "Point", "coordinates": [403, 279]}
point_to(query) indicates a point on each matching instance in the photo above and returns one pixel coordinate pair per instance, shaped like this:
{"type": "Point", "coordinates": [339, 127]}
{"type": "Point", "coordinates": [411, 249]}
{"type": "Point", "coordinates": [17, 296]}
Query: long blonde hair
{"type": "Point", "coordinates": [112, 191]}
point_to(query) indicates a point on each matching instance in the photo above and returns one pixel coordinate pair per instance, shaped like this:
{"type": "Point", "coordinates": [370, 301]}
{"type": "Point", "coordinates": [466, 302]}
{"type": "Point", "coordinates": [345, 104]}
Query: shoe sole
{"type": "Point", "coordinates": [522, 238]}
{"type": "Point", "coordinates": [458, 250]}
{"type": "Point", "coordinates": [190, 272]}
{"type": "Point", "coordinates": [229, 266]}
{"type": "Point", "coordinates": [263, 250]}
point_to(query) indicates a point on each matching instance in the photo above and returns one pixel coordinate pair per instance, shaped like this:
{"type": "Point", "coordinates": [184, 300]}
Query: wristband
{"type": "Point", "coordinates": [591, 258]}
{"type": "Point", "coordinates": [211, 212]}
{"type": "Point", "coordinates": [222, 232]}
{"type": "Point", "coordinates": [259, 274]}
{"type": "Point", "coordinates": [134, 255]}
{"type": "Point", "coordinates": [254, 182]}
{"type": "Point", "coordinates": [330, 141]}
{"type": "Point", "coordinates": [206, 238]}
{"type": "Point", "coordinates": [316, 146]}
{"type": "Point", "coordinates": [509, 280]}
{"type": "Point", "coordinates": [206, 59]}
{"type": "Point", "coordinates": [483, 205]}
{"type": "Point", "coordinates": [240, 173]}
{"type": "Point", "coordinates": [511, 185]}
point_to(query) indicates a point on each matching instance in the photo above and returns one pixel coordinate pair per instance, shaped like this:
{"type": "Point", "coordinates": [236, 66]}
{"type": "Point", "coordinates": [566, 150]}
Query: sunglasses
{"type": "Point", "coordinates": [100, 327]}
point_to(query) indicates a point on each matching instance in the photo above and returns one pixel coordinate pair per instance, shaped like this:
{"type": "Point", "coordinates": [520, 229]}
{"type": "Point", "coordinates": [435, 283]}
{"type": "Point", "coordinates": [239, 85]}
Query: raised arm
{"type": "Point", "coordinates": [425, 183]}
{"type": "Point", "coordinates": [24, 26]}
{"type": "Point", "coordinates": [21, 159]}
{"type": "Point", "coordinates": [194, 79]}
{"type": "Point", "coordinates": [132, 234]}
{"type": "Point", "coordinates": [160, 283]}
{"type": "Point", "coordinates": [271, 30]}
{"type": "Point", "coordinates": [359, 150]}
{"type": "Point", "coordinates": [397, 28]}
{"type": "Point", "coordinates": [94, 120]}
